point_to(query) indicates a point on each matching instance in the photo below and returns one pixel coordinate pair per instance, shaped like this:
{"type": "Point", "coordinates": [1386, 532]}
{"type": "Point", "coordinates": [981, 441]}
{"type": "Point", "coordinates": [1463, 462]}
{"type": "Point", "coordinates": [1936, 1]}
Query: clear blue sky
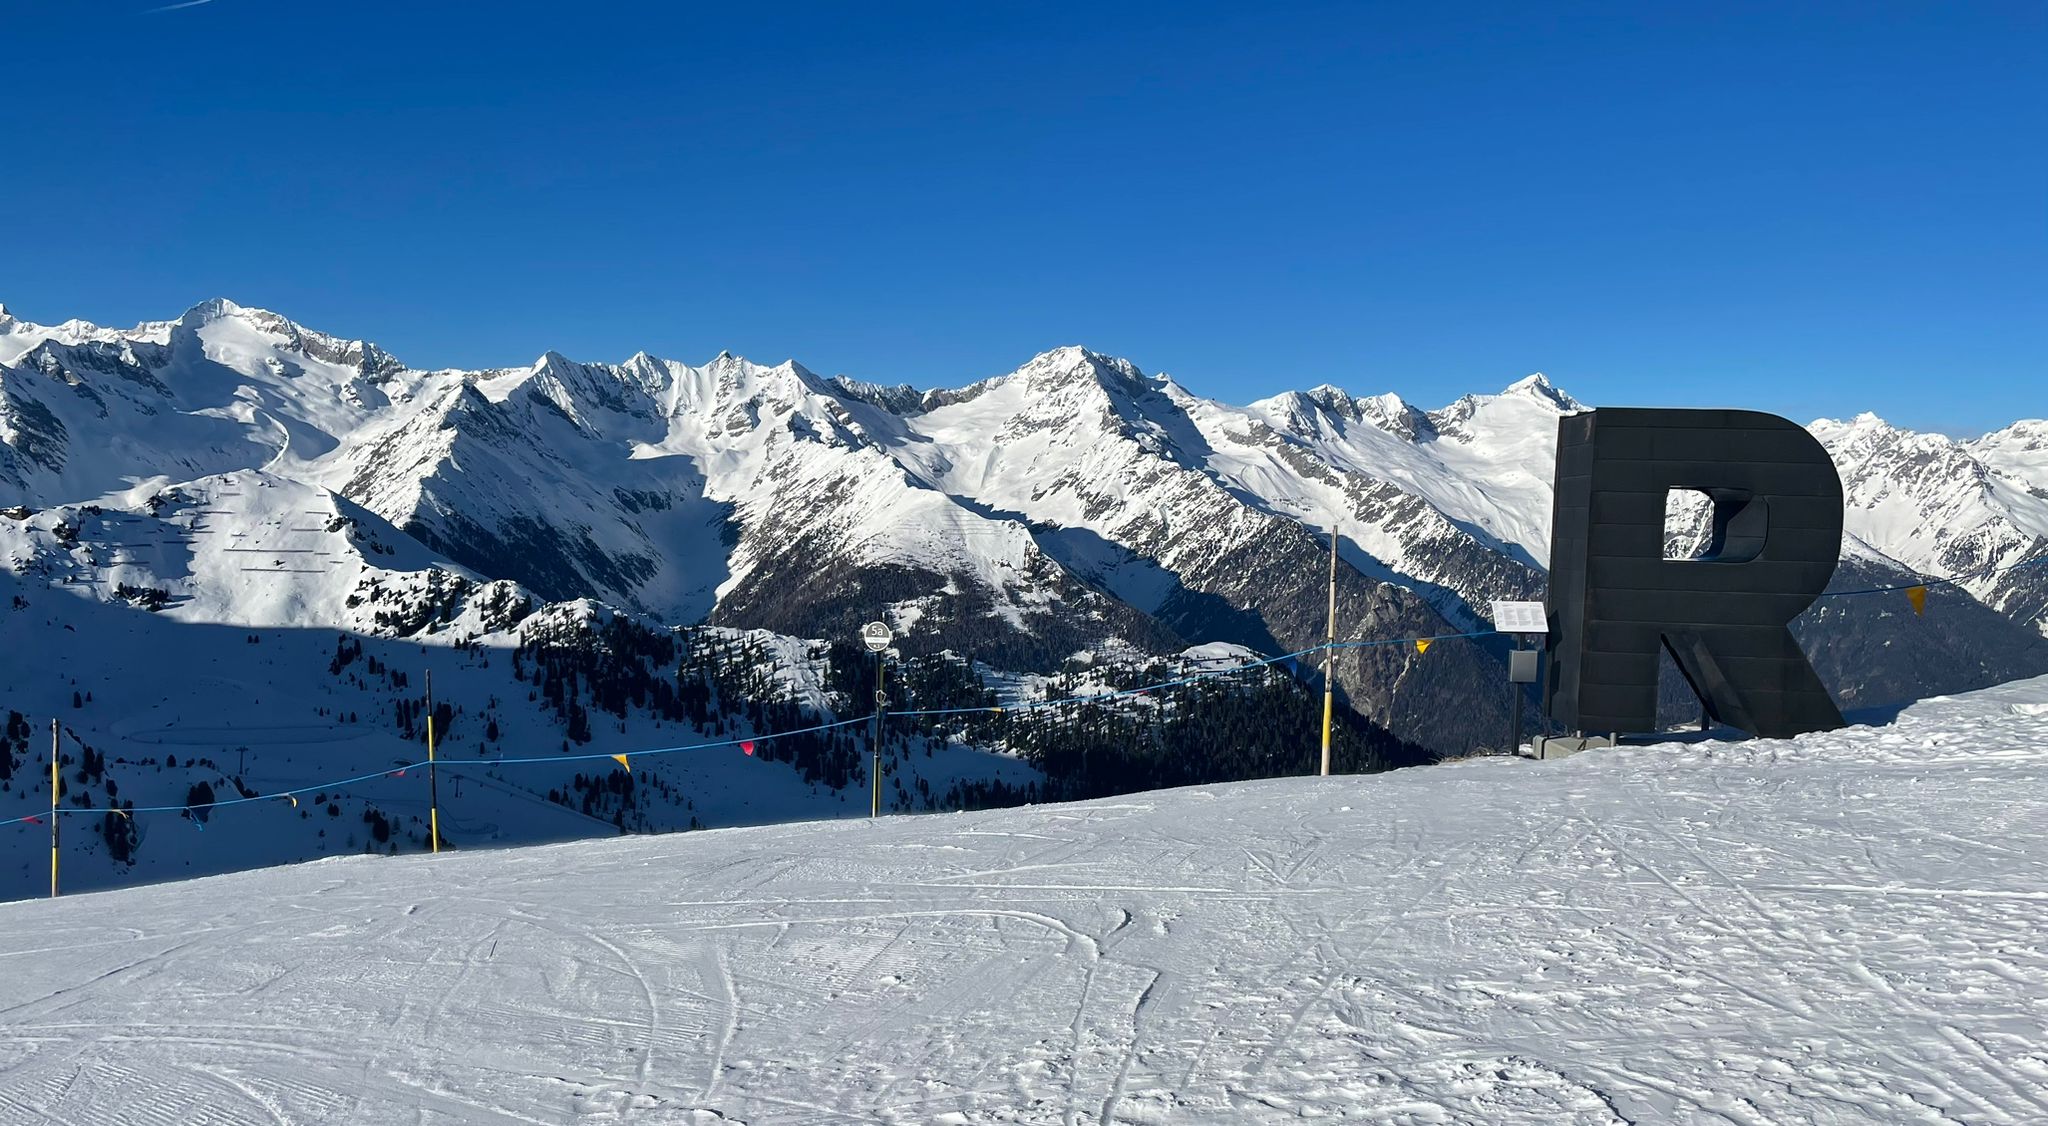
{"type": "Point", "coordinates": [1800, 208]}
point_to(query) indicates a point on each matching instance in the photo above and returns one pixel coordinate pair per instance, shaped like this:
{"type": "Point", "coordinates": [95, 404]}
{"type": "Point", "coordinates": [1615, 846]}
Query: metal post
{"type": "Point", "coordinates": [1515, 707]}
{"type": "Point", "coordinates": [875, 744]}
{"type": "Point", "coordinates": [55, 781]}
{"type": "Point", "coordinates": [433, 783]}
{"type": "Point", "coordinates": [1330, 655]}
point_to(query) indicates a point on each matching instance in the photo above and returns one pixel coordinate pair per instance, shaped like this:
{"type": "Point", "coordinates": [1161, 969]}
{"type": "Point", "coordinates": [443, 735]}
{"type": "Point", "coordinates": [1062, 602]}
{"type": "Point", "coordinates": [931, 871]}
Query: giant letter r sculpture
{"type": "Point", "coordinates": [1614, 598]}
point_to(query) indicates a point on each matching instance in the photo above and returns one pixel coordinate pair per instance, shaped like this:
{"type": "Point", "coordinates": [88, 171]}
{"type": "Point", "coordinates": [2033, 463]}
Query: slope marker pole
{"type": "Point", "coordinates": [1330, 654]}
{"type": "Point", "coordinates": [875, 636]}
{"type": "Point", "coordinates": [433, 783]}
{"type": "Point", "coordinates": [55, 781]}
{"type": "Point", "coordinates": [875, 799]}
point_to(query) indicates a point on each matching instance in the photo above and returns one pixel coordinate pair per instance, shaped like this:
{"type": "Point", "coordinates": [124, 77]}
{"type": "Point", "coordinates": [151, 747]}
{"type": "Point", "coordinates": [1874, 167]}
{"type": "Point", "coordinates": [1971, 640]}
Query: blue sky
{"type": "Point", "coordinates": [1808, 209]}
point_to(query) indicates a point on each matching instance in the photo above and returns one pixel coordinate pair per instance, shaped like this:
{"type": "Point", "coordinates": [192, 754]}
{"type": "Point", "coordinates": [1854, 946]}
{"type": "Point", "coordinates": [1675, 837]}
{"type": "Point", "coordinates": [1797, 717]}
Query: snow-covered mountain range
{"type": "Point", "coordinates": [232, 470]}
{"type": "Point", "coordinates": [1033, 514]}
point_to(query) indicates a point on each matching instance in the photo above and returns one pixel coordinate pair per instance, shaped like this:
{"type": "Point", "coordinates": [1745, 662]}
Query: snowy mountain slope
{"type": "Point", "coordinates": [515, 487]}
{"type": "Point", "coordinates": [1840, 928]}
{"type": "Point", "coordinates": [1089, 444]}
{"type": "Point", "coordinates": [254, 549]}
{"type": "Point", "coordinates": [1123, 486]}
{"type": "Point", "coordinates": [2020, 451]}
{"type": "Point", "coordinates": [661, 487]}
{"type": "Point", "coordinates": [1159, 494]}
{"type": "Point", "coordinates": [1484, 462]}
{"type": "Point", "coordinates": [168, 640]}
{"type": "Point", "coordinates": [1916, 504]}
{"type": "Point", "coordinates": [1074, 505]}
{"type": "Point", "coordinates": [1952, 508]}
{"type": "Point", "coordinates": [1380, 473]}
{"type": "Point", "coordinates": [87, 411]}
{"type": "Point", "coordinates": [815, 489]}
{"type": "Point", "coordinates": [675, 490]}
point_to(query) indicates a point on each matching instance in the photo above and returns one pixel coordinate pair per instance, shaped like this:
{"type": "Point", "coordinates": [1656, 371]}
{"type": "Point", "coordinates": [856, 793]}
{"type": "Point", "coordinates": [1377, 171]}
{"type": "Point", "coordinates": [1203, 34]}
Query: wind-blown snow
{"type": "Point", "coordinates": [1840, 928]}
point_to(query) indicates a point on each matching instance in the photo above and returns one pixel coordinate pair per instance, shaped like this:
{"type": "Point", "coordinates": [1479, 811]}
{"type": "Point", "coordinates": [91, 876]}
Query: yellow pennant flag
{"type": "Point", "coordinates": [1917, 595]}
{"type": "Point", "coordinates": [1422, 644]}
{"type": "Point", "coordinates": [621, 760]}
{"type": "Point", "coordinates": [293, 800]}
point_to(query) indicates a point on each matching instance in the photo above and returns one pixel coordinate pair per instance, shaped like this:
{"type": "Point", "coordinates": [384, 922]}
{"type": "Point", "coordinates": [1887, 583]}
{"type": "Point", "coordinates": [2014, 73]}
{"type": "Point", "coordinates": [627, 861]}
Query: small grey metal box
{"type": "Point", "coordinates": [1522, 665]}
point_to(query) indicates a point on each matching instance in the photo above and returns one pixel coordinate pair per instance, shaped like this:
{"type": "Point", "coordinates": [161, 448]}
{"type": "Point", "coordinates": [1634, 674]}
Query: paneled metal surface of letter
{"type": "Point", "coordinates": [1614, 598]}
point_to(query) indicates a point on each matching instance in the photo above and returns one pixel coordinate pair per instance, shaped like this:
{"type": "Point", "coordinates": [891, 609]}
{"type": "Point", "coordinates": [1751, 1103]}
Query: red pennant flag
{"type": "Point", "coordinates": [33, 820]}
{"type": "Point", "coordinates": [398, 774]}
{"type": "Point", "coordinates": [747, 745]}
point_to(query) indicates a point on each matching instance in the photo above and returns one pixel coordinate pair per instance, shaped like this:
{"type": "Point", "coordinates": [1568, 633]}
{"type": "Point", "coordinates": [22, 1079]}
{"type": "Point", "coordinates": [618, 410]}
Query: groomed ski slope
{"type": "Point", "coordinates": [1841, 928]}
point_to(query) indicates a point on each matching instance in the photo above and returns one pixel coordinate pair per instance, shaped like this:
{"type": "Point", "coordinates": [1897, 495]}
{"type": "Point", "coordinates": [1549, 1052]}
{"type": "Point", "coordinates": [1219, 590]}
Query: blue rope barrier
{"type": "Point", "coordinates": [658, 750]}
{"type": "Point", "coordinates": [1412, 640]}
{"type": "Point", "coordinates": [1954, 580]}
{"type": "Point", "coordinates": [399, 768]}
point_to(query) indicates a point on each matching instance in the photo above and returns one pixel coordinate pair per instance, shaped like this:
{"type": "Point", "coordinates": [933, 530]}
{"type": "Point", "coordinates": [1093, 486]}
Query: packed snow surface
{"type": "Point", "coordinates": [1838, 928]}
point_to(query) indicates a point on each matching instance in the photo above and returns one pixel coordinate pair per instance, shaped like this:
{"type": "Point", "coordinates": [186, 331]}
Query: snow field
{"type": "Point", "coordinates": [1839, 928]}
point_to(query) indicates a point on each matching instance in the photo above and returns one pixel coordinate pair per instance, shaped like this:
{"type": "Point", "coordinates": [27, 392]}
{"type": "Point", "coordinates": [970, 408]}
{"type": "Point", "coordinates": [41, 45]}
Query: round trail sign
{"type": "Point", "coordinates": [876, 636]}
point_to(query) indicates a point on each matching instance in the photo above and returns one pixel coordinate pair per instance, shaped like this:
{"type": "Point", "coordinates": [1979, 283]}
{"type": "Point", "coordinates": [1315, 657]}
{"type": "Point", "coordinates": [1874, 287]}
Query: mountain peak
{"type": "Point", "coordinates": [214, 310]}
{"type": "Point", "coordinates": [728, 360]}
{"type": "Point", "coordinates": [1537, 386]}
{"type": "Point", "coordinates": [209, 310]}
{"type": "Point", "coordinates": [1867, 422]}
{"type": "Point", "coordinates": [1388, 412]}
{"type": "Point", "coordinates": [1073, 363]}
{"type": "Point", "coordinates": [1330, 395]}
{"type": "Point", "coordinates": [2024, 428]}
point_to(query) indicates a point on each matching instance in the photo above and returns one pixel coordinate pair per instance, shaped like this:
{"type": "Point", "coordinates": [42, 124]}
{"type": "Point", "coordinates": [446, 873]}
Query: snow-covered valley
{"type": "Point", "coordinates": [1840, 928]}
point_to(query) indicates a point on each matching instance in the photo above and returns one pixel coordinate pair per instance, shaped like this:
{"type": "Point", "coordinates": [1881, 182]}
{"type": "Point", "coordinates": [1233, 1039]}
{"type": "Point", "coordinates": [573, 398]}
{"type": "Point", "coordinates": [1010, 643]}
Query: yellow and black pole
{"type": "Point", "coordinates": [1330, 655]}
{"type": "Point", "coordinates": [875, 635]}
{"type": "Point", "coordinates": [56, 781]}
{"type": "Point", "coordinates": [433, 783]}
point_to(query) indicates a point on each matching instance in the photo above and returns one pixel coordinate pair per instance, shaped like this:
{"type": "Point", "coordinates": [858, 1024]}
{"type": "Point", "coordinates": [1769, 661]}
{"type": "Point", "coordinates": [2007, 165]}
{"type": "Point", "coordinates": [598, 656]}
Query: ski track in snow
{"type": "Point", "coordinates": [1842, 928]}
